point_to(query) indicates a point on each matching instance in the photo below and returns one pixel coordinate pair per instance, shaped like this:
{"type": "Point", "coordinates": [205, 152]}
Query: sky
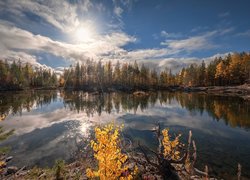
{"type": "Point", "coordinates": [159, 33]}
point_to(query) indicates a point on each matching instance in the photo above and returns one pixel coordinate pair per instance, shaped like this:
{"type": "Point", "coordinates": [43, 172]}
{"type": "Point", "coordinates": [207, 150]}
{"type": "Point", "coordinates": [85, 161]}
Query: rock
{"type": "Point", "coordinates": [140, 93]}
{"type": "Point", "coordinates": [8, 158]}
{"type": "Point", "coordinates": [12, 169]}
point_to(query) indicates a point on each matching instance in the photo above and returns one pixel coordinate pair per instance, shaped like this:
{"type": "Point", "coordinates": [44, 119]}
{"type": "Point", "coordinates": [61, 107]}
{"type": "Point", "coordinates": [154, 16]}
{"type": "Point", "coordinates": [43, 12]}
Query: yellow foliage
{"type": "Point", "coordinates": [2, 117]}
{"type": "Point", "coordinates": [171, 147]}
{"type": "Point", "coordinates": [61, 81]}
{"type": "Point", "coordinates": [108, 153]}
{"type": "Point", "coordinates": [2, 164]}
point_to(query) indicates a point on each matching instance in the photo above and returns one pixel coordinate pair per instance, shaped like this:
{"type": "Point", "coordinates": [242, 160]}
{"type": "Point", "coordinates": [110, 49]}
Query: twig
{"type": "Point", "coordinates": [20, 170]}
{"type": "Point", "coordinates": [239, 171]}
{"type": "Point", "coordinates": [200, 172]}
{"type": "Point", "coordinates": [195, 150]}
{"type": "Point", "coordinates": [189, 142]}
{"type": "Point", "coordinates": [194, 159]}
{"type": "Point", "coordinates": [206, 171]}
{"type": "Point", "coordinates": [187, 159]}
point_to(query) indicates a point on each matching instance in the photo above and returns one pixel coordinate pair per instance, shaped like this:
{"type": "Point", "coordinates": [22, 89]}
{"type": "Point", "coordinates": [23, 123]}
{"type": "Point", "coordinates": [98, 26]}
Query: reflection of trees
{"type": "Point", "coordinates": [234, 111]}
{"type": "Point", "coordinates": [16, 103]}
{"type": "Point", "coordinates": [81, 101]}
{"type": "Point", "coordinates": [91, 103]}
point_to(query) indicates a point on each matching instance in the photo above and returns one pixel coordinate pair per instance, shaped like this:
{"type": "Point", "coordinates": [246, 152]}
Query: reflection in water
{"type": "Point", "coordinates": [51, 124]}
{"type": "Point", "coordinates": [234, 111]}
{"type": "Point", "coordinates": [24, 101]}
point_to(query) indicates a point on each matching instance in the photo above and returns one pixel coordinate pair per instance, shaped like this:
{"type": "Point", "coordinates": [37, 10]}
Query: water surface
{"type": "Point", "coordinates": [52, 125]}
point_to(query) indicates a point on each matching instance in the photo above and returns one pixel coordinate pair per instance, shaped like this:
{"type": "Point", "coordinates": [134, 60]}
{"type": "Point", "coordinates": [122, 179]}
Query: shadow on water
{"type": "Point", "coordinates": [48, 123]}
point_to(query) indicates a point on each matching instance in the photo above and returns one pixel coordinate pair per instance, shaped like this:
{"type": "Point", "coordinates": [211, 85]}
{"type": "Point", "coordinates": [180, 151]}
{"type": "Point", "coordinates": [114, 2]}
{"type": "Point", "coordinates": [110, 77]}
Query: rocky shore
{"type": "Point", "coordinates": [241, 91]}
{"type": "Point", "coordinates": [77, 170]}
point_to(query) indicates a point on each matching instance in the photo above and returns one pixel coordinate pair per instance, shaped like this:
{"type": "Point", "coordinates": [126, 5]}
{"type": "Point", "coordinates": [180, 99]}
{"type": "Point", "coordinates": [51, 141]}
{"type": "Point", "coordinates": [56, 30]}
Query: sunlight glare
{"type": "Point", "coordinates": [83, 34]}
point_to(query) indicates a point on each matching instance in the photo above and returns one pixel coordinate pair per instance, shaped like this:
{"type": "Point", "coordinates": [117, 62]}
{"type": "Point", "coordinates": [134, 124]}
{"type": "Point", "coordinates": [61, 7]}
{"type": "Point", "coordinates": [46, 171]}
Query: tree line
{"type": "Point", "coordinates": [233, 69]}
{"type": "Point", "coordinates": [17, 76]}
{"type": "Point", "coordinates": [93, 74]}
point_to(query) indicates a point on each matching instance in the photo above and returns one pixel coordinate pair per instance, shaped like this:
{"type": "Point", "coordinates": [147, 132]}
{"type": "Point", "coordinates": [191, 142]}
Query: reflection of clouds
{"type": "Point", "coordinates": [214, 139]}
{"type": "Point", "coordinates": [31, 121]}
{"type": "Point", "coordinates": [140, 122]}
{"type": "Point", "coordinates": [42, 137]}
{"type": "Point", "coordinates": [55, 131]}
{"type": "Point", "coordinates": [44, 146]}
{"type": "Point", "coordinates": [39, 119]}
{"type": "Point", "coordinates": [176, 116]}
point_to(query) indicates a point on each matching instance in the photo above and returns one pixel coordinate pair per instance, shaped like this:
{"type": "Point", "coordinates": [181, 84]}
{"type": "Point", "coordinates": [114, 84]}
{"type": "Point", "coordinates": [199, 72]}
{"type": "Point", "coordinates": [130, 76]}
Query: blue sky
{"type": "Point", "coordinates": [160, 33]}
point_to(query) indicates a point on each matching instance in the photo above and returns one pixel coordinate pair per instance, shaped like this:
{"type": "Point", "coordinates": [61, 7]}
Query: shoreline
{"type": "Point", "coordinates": [242, 91]}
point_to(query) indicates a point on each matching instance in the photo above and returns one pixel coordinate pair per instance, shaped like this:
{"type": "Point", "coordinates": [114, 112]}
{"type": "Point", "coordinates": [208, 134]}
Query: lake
{"type": "Point", "coordinates": [52, 125]}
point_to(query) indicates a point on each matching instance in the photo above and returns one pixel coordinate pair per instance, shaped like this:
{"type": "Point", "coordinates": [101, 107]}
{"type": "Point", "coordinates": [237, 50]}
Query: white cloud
{"type": "Point", "coordinates": [118, 11]}
{"type": "Point", "coordinates": [15, 56]}
{"type": "Point", "coordinates": [226, 30]}
{"type": "Point", "coordinates": [193, 43]}
{"type": "Point", "coordinates": [24, 58]}
{"type": "Point", "coordinates": [143, 54]}
{"type": "Point", "coordinates": [106, 47]}
{"type": "Point", "coordinates": [124, 3]}
{"type": "Point", "coordinates": [177, 63]}
{"type": "Point", "coordinates": [170, 35]}
{"type": "Point", "coordinates": [18, 43]}
{"type": "Point", "coordinates": [164, 33]}
{"type": "Point", "coordinates": [22, 40]}
{"type": "Point", "coordinates": [60, 14]}
{"type": "Point", "coordinates": [245, 33]}
{"type": "Point", "coordinates": [85, 5]}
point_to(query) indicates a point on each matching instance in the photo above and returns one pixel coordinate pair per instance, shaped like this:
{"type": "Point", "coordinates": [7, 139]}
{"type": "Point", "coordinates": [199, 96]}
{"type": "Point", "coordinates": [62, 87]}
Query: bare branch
{"type": "Point", "coordinates": [239, 171]}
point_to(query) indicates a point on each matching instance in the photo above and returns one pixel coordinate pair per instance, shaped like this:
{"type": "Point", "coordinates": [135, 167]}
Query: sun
{"type": "Point", "coordinates": [83, 34]}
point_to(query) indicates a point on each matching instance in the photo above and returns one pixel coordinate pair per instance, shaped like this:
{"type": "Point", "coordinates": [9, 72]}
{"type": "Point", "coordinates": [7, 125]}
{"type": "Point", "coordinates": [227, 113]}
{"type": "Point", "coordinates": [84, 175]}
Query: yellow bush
{"type": "Point", "coordinates": [171, 147]}
{"type": "Point", "coordinates": [111, 161]}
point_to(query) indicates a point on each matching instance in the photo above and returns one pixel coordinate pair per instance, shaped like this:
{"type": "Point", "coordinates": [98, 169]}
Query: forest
{"type": "Point", "coordinates": [18, 76]}
{"type": "Point", "coordinates": [233, 69]}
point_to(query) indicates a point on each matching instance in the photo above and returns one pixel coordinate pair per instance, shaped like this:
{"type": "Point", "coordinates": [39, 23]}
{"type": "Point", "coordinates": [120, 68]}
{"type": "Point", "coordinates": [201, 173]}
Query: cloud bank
{"type": "Point", "coordinates": [19, 43]}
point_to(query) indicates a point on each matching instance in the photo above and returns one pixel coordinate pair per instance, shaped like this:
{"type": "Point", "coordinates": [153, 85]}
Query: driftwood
{"type": "Point", "coordinates": [239, 171]}
{"type": "Point", "coordinates": [163, 166]}
{"type": "Point", "coordinates": [167, 168]}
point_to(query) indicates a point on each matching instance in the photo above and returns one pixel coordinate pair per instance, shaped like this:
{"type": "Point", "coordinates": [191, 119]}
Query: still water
{"type": "Point", "coordinates": [52, 125]}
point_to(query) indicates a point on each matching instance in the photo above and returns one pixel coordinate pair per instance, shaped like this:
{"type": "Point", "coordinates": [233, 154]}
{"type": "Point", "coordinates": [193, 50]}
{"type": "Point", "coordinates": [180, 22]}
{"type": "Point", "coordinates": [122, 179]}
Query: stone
{"type": "Point", "coordinates": [8, 158]}
{"type": "Point", "coordinates": [12, 169]}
